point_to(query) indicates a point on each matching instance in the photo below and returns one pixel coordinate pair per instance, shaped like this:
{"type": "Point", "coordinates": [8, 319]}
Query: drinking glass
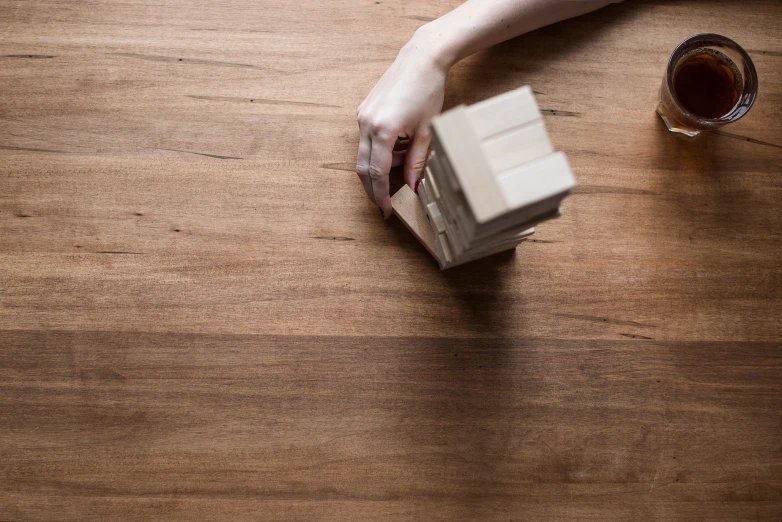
{"type": "Point", "coordinates": [676, 116]}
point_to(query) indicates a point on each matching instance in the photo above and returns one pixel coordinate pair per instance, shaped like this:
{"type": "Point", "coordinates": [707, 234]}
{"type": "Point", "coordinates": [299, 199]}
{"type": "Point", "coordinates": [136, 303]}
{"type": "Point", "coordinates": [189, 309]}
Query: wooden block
{"type": "Point", "coordinates": [425, 198]}
{"type": "Point", "coordinates": [423, 192]}
{"type": "Point", "coordinates": [409, 210]}
{"type": "Point", "coordinates": [435, 217]}
{"type": "Point", "coordinates": [468, 259]}
{"type": "Point", "coordinates": [431, 208]}
{"type": "Point", "coordinates": [498, 241]}
{"type": "Point", "coordinates": [552, 213]}
{"type": "Point", "coordinates": [447, 197]}
{"type": "Point", "coordinates": [434, 177]}
{"type": "Point", "coordinates": [509, 236]}
{"type": "Point", "coordinates": [432, 184]}
{"type": "Point", "coordinates": [533, 182]}
{"type": "Point", "coordinates": [438, 214]}
{"type": "Point", "coordinates": [454, 237]}
{"type": "Point", "coordinates": [458, 141]}
{"type": "Point", "coordinates": [442, 258]}
{"type": "Point", "coordinates": [447, 254]}
{"type": "Point", "coordinates": [519, 220]}
{"type": "Point", "coordinates": [517, 146]}
{"type": "Point", "coordinates": [483, 251]}
{"type": "Point", "coordinates": [453, 207]}
{"type": "Point", "coordinates": [450, 203]}
{"type": "Point", "coordinates": [503, 112]}
{"type": "Point", "coordinates": [468, 225]}
{"type": "Point", "coordinates": [441, 167]}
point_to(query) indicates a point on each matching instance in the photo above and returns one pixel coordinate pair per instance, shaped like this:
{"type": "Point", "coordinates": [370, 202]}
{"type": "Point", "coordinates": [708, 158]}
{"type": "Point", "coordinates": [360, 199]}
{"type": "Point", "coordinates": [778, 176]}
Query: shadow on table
{"type": "Point", "coordinates": [470, 417]}
{"type": "Point", "coordinates": [481, 288]}
{"type": "Point", "coordinates": [469, 409]}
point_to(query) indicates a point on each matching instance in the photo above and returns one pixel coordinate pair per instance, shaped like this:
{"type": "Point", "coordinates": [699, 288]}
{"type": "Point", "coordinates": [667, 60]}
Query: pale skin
{"type": "Point", "coordinates": [394, 119]}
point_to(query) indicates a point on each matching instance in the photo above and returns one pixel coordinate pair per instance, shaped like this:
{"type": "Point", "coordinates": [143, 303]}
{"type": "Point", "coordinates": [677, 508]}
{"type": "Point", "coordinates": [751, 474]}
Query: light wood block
{"type": "Point", "coordinates": [447, 254]}
{"type": "Point", "coordinates": [442, 167]}
{"type": "Point", "coordinates": [448, 231]}
{"type": "Point", "coordinates": [504, 238]}
{"type": "Point", "coordinates": [503, 112]}
{"type": "Point", "coordinates": [517, 146]}
{"type": "Point", "coordinates": [432, 184]}
{"type": "Point", "coordinates": [452, 204]}
{"type": "Point", "coordinates": [409, 210]}
{"type": "Point", "coordinates": [536, 181]}
{"type": "Point", "coordinates": [423, 193]}
{"type": "Point", "coordinates": [436, 218]}
{"type": "Point", "coordinates": [448, 198]}
{"type": "Point", "coordinates": [444, 222]}
{"type": "Point", "coordinates": [518, 220]}
{"type": "Point", "coordinates": [431, 207]}
{"type": "Point", "coordinates": [458, 141]}
{"type": "Point", "coordinates": [481, 255]}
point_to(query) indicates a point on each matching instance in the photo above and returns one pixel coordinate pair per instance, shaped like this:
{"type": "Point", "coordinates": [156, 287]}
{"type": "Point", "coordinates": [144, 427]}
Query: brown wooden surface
{"type": "Point", "coordinates": [203, 317]}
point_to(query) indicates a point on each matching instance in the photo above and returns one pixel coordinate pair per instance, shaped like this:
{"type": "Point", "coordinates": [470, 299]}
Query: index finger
{"type": "Point", "coordinates": [379, 166]}
{"type": "Point", "coordinates": [362, 162]}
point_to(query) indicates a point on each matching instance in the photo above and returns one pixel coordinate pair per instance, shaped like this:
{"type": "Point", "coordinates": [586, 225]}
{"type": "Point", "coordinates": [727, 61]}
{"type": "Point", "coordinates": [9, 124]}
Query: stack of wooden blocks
{"type": "Point", "coordinates": [491, 176]}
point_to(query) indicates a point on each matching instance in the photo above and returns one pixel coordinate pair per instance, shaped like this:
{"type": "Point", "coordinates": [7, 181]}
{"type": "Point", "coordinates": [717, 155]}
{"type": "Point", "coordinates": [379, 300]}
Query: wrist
{"type": "Point", "coordinates": [434, 42]}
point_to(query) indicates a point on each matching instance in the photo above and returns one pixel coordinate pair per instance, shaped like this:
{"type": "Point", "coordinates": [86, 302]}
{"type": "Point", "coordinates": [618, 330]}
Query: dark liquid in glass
{"type": "Point", "coordinates": [706, 83]}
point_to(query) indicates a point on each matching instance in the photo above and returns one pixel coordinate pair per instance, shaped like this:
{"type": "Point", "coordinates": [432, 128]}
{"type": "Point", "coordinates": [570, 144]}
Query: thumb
{"type": "Point", "coordinates": [416, 156]}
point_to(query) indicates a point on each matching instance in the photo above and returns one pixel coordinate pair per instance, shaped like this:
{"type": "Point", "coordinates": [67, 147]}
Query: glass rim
{"type": "Point", "coordinates": [727, 42]}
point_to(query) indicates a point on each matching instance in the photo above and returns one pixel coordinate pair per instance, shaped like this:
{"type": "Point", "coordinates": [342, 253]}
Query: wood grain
{"type": "Point", "coordinates": [203, 317]}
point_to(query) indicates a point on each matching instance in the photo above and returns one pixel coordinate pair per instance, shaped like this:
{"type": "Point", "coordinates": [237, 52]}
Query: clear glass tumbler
{"type": "Point", "coordinates": [675, 115]}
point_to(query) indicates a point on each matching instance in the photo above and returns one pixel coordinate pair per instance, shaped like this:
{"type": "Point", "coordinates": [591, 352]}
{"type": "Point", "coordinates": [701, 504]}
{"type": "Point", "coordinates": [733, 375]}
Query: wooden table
{"type": "Point", "coordinates": [203, 317]}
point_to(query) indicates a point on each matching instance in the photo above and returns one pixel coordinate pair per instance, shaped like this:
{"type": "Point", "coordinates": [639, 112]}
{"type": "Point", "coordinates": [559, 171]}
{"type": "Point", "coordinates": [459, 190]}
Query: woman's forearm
{"type": "Point", "coordinates": [479, 24]}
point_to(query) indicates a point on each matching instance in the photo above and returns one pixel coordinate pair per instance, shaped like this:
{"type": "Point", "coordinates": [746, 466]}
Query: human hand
{"type": "Point", "coordinates": [394, 119]}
